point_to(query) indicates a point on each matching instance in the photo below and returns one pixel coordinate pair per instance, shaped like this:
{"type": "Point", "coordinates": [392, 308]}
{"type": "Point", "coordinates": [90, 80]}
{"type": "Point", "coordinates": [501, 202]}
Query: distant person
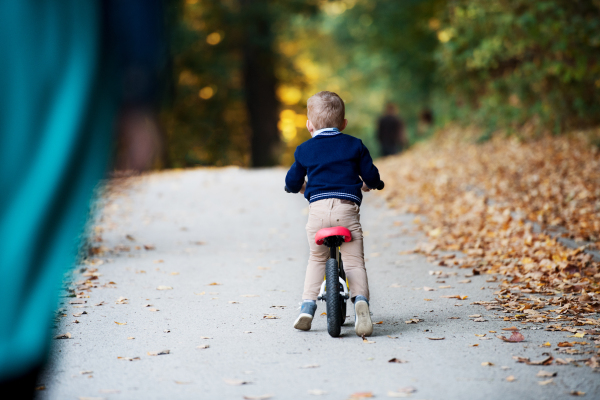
{"type": "Point", "coordinates": [390, 131]}
{"type": "Point", "coordinates": [339, 168]}
{"type": "Point", "coordinates": [69, 70]}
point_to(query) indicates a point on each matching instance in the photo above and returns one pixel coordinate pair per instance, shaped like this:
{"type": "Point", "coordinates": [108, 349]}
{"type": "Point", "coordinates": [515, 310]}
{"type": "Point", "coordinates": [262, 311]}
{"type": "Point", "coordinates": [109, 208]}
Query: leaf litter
{"type": "Point", "coordinates": [505, 206]}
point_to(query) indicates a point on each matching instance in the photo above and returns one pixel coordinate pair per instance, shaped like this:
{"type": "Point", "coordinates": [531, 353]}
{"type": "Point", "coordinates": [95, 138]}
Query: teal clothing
{"type": "Point", "coordinates": [56, 117]}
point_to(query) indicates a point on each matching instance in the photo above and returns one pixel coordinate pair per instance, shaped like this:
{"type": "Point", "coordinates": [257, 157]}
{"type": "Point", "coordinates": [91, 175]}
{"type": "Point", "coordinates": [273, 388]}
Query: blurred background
{"type": "Point", "coordinates": [240, 71]}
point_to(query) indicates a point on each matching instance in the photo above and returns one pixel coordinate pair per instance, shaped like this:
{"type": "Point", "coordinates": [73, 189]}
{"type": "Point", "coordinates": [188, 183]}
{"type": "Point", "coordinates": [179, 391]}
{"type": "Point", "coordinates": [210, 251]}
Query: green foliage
{"type": "Point", "coordinates": [514, 61]}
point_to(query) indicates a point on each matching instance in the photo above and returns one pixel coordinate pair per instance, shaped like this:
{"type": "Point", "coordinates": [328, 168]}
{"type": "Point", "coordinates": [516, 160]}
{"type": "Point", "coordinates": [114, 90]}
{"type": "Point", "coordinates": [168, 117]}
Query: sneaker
{"type": "Point", "coordinates": [307, 312]}
{"type": "Point", "coordinates": [362, 317]}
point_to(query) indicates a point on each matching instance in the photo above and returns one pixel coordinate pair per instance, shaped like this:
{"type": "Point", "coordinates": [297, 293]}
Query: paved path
{"type": "Point", "coordinates": [253, 244]}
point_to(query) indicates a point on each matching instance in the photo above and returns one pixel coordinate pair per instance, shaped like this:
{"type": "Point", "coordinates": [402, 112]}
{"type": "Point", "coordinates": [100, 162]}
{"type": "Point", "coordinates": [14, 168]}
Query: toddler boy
{"type": "Point", "coordinates": [334, 163]}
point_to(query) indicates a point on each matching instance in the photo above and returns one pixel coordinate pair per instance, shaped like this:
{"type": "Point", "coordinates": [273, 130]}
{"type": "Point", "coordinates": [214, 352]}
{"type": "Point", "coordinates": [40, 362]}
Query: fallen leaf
{"type": "Point", "coordinates": [174, 273]}
{"type": "Point", "coordinates": [475, 316]}
{"type": "Point", "coordinates": [167, 331]}
{"type": "Point", "coordinates": [130, 338]}
{"type": "Point", "coordinates": [77, 301]}
{"type": "Point", "coordinates": [514, 338]}
{"type": "Point", "coordinates": [317, 392]}
{"type": "Point", "coordinates": [480, 319]}
{"type": "Point", "coordinates": [436, 338]}
{"type": "Point", "coordinates": [236, 382]}
{"type": "Point", "coordinates": [487, 364]}
{"type": "Point", "coordinates": [577, 393]}
{"type": "Point", "coordinates": [247, 331]}
{"type": "Point", "coordinates": [153, 309]}
{"type": "Point", "coordinates": [120, 323]}
{"type": "Point", "coordinates": [545, 374]}
{"type": "Point", "coordinates": [473, 345]}
{"type": "Point", "coordinates": [86, 372]}
{"type": "Point", "coordinates": [270, 316]}
{"type": "Point", "coordinates": [512, 328]}
{"type": "Point", "coordinates": [200, 294]}
{"type": "Point", "coordinates": [361, 395]}
{"type": "Point", "coordinates": [63, 336]}
{"type": "Point", "coordinates": [129, 237]}
{"type": "Point", "coordinates": [310, 366]}
{"type": "Point", "coordinates": [402, 392]}
{"type": "Point", "coordinates": [183, 383]}
{"type": "Point", "coordinates": [250, 295]}
{"type": "Point", "coordinates": [427, 299]}
{"type": "Point", "coordinates": [203, 346]}
{"type": "Point", "coordinates": [483, 335]}
{"type": "Point", "coordinates": [40, 387]}
{"type": "Point", "coordinates": [544, 361]}
{"type": "Point", "coordinates": [128, 358]}
{"type": "Point", "coordinates": [234, 302]}
{"type": "Point", "coordinates": [578, 335]}
{"type": "Point", "coordinates": [445, 287]}
{"type": "Point", "coordinates": [397, 360]}
{"type": "Point", "coordinates": [564, 344]}
{"type": "Point", "coordinates": [413, 321]}
{"type": "Point", "coordinates": [79, 314]}
{"type": "Point", "coordinates": [205, 337]}
{"type": "Point", "coordinates": [164, 288]}
{"type": "Point", "coordinates": [260, 397]}
{"type": "Point", "coordinates": [214, 284]}
{"type": "Point", "coordinates": [323, 313]}
{"type": "Point", "coordinates": [511, 378]}
{"type": "Point", "coordinates": [367, 341]}
{"type": "Point", "coordinates": [492, 331]}
{"type": "Point", "coordinates": [378, 323]}
{"type": "Point", "coordinates": [158, 353]}
{"type": "Point", "coordinates": [548, 382]}
{"type": "Point", "coordinates": [465, 281]}
{"type": "Point", "coordinates": [392, 337]}
{"type": "Point", "coordinates": [428, 289]}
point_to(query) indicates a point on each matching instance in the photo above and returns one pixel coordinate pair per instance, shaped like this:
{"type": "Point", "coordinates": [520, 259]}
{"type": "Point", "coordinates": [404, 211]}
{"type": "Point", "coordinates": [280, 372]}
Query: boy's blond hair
{"type": "Point", "coordinates": [326, 110]}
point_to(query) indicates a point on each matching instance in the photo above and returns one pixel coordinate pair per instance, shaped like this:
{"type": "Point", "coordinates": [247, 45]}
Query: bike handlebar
{"type": "Point", "coordinates": [379, 187]}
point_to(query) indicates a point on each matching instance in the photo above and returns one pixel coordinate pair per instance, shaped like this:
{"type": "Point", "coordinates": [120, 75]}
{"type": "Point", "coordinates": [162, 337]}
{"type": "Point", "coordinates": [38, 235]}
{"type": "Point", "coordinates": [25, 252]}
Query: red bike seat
{"type": "Point", "coordinates": [333, 231]}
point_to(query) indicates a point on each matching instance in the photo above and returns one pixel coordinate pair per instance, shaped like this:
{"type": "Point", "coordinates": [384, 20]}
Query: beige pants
{"type": "Point", "coordinates": [325, 214]}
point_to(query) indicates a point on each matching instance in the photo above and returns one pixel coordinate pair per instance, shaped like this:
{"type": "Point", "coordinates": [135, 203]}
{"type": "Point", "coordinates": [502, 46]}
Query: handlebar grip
{"type": "Point", "coordinates": [380, 186]}
{"type": "Point", "coordinates": [286, 189]}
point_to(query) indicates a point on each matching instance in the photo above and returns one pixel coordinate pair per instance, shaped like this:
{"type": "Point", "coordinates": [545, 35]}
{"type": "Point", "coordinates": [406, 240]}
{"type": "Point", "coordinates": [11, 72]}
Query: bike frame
{"type": "Point", "coordinates": [345, 294]}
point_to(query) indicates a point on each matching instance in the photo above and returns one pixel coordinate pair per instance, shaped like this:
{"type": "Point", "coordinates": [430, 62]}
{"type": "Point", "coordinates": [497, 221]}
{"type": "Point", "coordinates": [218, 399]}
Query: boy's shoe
{"type": "Point", "coordinates": [307, 312]}
{"type": "Point", "coordinates": [362, 317]}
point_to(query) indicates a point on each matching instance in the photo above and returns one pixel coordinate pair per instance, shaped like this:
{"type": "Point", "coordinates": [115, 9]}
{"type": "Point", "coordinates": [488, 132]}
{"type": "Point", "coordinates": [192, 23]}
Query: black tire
{"type": "Point", "coordinates": [343, 311]}
{"type": "Point", "coordinates": [334, 309]}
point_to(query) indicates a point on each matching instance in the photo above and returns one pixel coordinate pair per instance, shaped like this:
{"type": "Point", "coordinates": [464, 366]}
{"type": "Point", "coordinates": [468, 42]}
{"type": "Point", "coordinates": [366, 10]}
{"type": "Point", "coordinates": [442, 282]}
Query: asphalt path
{"type": "Point", "coordinates": [231, 245]}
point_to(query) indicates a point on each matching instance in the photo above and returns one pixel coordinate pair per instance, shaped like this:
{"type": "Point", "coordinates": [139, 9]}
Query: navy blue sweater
{"type": "Point", "coordinates": [335, 165]}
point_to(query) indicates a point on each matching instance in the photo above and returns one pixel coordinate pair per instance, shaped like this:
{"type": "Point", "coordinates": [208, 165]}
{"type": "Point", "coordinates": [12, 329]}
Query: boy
{"type": "Point", "coordinates": [334, 163]}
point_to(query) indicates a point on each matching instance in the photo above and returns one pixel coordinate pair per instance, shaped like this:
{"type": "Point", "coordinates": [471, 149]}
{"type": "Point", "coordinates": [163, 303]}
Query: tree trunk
{"type": "Point", "coordinates": [260, 82]}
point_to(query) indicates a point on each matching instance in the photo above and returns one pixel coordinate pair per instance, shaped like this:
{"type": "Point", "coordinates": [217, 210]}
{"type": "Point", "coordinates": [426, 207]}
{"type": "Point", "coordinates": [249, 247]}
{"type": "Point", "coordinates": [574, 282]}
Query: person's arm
{"type": "Point", "coordinates": [368, 172]}
{"type": "Point", "coordinates": [294, 180]}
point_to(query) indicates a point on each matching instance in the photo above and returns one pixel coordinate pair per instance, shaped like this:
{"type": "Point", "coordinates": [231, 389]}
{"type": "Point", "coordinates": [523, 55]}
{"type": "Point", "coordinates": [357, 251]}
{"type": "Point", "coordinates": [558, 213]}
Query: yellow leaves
{"type": "Point", "coordinates": [435, 232]}
{"type": "Point", "coordinates": [120, 323]}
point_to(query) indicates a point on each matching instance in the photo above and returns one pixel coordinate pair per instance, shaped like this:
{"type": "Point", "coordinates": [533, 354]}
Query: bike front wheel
{"type": "Point", "coordinates": [332, 297]}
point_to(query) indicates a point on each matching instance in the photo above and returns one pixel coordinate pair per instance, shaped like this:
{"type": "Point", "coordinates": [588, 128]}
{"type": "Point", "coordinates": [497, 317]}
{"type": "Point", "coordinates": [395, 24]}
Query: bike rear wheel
{"type": "Point", "coordinates": [332, 297]}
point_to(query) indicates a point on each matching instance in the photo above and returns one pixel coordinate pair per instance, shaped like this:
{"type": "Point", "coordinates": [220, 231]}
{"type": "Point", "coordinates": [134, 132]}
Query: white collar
{"type": "Point", "coordinates": [326, 132]}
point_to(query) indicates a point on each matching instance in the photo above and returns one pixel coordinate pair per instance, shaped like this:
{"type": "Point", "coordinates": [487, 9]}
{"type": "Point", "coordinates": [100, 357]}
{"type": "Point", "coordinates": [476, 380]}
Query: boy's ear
{"type": "Point", "coordinates": [310, 126]}
{"type": "Point", "coordinates": [344, 124]}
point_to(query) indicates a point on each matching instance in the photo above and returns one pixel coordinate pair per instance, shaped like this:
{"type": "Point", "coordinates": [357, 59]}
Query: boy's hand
{"type": "Point", "coordinates": [303, 188]}
{"type": "Point", "coordinates": [365, 188]}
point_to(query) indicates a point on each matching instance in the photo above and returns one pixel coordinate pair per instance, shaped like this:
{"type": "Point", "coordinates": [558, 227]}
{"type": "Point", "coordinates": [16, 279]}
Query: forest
{"type": "Point", "coordinates": [240, 71]}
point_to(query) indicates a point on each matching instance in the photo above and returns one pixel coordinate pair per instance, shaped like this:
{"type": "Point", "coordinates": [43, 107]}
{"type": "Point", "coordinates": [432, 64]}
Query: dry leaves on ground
{"type": "Point", "coordinates": [159, 352]}
{"type": "Point", "coordinates": [514, 338]}
{"type": "Point", "coordinates": [63, 336]}
{"type": "Point", "coordinates": [486, 205]}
